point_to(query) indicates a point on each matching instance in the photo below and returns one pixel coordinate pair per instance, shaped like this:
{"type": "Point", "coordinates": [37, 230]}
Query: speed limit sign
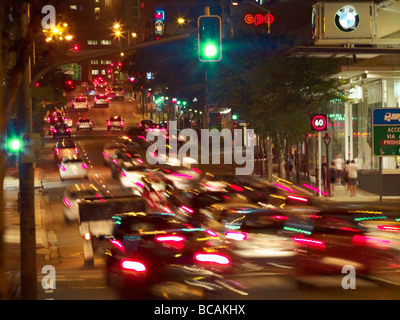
{"type": "Point", "coordinates": [319, 122]}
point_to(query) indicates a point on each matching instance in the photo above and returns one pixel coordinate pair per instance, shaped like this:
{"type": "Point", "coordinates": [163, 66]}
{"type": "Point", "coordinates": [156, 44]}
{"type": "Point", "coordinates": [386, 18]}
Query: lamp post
{"type": "Point", "coordinates": [306, 138]}
{"type": "Point", "coordinates": [327, 141]}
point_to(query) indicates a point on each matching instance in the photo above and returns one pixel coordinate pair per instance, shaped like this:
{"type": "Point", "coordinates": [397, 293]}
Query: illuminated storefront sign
{"type": "Point", "coordinates": [258, 19]}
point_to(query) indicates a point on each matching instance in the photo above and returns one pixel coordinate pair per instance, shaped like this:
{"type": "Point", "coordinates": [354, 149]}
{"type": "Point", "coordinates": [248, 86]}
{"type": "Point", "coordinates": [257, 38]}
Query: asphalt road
{"type": "Point", "coordinates": [75, 282]}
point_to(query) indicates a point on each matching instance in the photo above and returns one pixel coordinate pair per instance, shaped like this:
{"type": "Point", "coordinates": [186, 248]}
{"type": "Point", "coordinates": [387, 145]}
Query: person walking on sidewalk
{"type": "Point", "coordinates": [346, 178]}
{"type": "Point", "coordinates": [332, 177]}
{"type": "Point", "coordinates": [352, 174]}
{"type": "Point", "coordinates": [339, 163]}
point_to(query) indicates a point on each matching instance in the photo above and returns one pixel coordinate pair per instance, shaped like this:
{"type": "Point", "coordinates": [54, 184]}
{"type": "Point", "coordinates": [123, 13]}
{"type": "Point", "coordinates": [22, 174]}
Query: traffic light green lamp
{"type": "Point", "coordinates": [209, 38]}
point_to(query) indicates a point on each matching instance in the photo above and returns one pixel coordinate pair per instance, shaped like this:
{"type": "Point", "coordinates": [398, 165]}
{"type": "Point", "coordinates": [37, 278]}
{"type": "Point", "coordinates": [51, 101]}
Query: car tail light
{"type": "Point", "coordinates": [187, 209]}
{"type": "Point", "coordinates": [67, 203]}
{"type": "Point", "coordinates": [312, 243]}
{"type": "Point", "coordinates": [87, 236]}
{"type": "Point", "coordinates": [298, 198]}
{"type": "Point", "coordinates": [55, 119]}
{"type": "Point", "coordinates": [86, 103]}
{"type": "Point", "coordinates": [212, 258]}
{"type": "Point", "coordinates": [118, 245]}
{"type": "Point", "coordinates": [170, 238]}
{"type": "Point", "coordinates": [67, 130]}
{"type": "Point", "coordinates": [370, 242]}
{"type": "Point", "coordinates": [84, 166]}
{"type": "Point", "coordinates": [78, 122]}
{"type": "Point", "coordinates": [280, 217]}
{"type": "Point", "coordinates": [122, 123]}
{"type": "Point", "coordinates": [389, 228]}
{"type": "Point", "coordinates": [62, 167]}
{"type": "Point", "coordinates": [57, 151]}
{"type": "Point", "coordinates": [133, 266]}
{"type": "Point", "coordinates": [234, 235]}
{"type": "Point", "coordinates": [48, 119]}
{"type": "Point", "coordinates": [211, 233]}
{"type": "Point", "coordinates": [90, 122]}
{"type": "Point", "coordinates": [76, 150]}
{"type": "Point", "coordinates": [54, 130]}
{"type": "Point", "coordinates": [109, 123]}
{"type": "Point", "coordinates": [106, 99]}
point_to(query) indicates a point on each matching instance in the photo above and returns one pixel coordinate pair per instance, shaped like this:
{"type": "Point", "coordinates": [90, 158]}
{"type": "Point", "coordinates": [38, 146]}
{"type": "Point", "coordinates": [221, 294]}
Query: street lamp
{"type": "Point", "coordinates": [327, 141]}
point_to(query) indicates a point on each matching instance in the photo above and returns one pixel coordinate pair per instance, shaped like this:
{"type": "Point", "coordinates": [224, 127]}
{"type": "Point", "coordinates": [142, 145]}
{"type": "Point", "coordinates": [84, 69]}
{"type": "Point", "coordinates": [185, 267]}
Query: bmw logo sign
{"type": "Point", "coordinates": [347, 19]}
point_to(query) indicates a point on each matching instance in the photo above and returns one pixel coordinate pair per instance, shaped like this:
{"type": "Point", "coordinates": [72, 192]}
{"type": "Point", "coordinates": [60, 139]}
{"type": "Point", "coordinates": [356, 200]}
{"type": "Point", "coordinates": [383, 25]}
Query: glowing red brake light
{"type": "Point", "coordinates": [84, 166]}
{"type": "Point", "coordinates": [187, 209]}
{"type": "Point", "coordinates": [76, 150]}
{"type": "Point", "coordinates": [211, 233]}
{"type": "Point", "coordinates": [57, 151]}
{"type": "Point", "coordinates": [212, 258]}
{"type": "Point", "coordinates": [118, 245]}
{"type": "Point", "coordinates": [312, 243]}
{"type": "Point", "coordinates": [170, 238]}
{"type": "Point", "coordinates": [298, 198]}
{"type": "Point", "coordinates": [67, 203]}
{"type": "Point", "coordinates": [133, 266]}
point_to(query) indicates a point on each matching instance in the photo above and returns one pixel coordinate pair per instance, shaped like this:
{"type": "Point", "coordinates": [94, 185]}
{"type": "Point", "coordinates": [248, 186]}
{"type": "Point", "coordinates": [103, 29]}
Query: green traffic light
{"type": "Point", "coordinates": [14, 145]}
{"type": "Point", "coordinates": [210, 50]}
{"type": "Point", "coordinates": [234, 117]}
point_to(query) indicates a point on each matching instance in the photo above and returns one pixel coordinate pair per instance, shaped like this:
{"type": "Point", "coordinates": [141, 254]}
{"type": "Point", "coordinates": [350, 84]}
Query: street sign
{"type": "Point", "coordinates": [73, 70]}
{"type": "Point", "coordinates": [386, 132]}
{"type": "Point", "coordinates": [319, 122]}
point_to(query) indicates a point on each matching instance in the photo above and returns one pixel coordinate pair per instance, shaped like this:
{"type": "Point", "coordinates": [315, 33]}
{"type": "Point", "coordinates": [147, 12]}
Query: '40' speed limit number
{"type": "Point", "coordinates": [319, 122]}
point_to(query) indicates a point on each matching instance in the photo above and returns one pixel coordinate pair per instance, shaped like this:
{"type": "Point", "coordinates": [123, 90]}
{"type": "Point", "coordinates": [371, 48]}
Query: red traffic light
{"type": "Point", "coordinates": [76, 48]}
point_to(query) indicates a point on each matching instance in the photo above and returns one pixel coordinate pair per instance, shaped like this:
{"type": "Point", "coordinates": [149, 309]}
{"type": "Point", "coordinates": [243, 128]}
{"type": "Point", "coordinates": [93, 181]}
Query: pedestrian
{"type": "Point", "coordinates": [339, 163]}
{"type": "Point", "coordinates": [332, 176]}
{"type": "Point", "coordinates": [346, 178]}
{"type": "Point", "coordinates": [352, 174]}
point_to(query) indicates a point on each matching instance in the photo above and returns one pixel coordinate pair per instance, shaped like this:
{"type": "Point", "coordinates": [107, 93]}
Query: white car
{"type": "Point", "coordinates": [131, 178]}
{"type": "Point", "coordinates": [73, 167]}
{"type": "Point", "coordinates": [68, 121]}
{"type": "Point", "coordinates": [75, 194]}
{"type": "Point", "coordinates": [84, 123]}
{"type": "Point", "coordinates": [80, 103]}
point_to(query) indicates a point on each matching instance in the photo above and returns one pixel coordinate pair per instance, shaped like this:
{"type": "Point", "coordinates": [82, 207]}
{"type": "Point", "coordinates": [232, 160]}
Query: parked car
{"type": "Point", "coordinates": [100, 101]}
{"type": "Point", "coordinates": [115, 122]}
{"type": "Point", "coordinates": [61, 130]}
{"type": "Point", "coordinates": [65, 148]}
{"type": "Point", "coordinates": [75, 194]}
{"type": "Point", "coordinates": [73, 167]}
{"type": "Point", "coordinates": [84, 123]}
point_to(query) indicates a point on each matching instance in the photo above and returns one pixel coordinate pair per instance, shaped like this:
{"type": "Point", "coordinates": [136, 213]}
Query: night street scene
{"type": "Point", "coordinates": [200, 157]}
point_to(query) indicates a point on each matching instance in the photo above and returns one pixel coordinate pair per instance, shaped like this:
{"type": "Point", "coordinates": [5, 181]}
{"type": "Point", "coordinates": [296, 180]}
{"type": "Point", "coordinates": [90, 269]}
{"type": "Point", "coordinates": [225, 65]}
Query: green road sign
{"type": "Point", "coordinates": [73, 70]}
{"type": "Point", "coordinates": [386, 132]}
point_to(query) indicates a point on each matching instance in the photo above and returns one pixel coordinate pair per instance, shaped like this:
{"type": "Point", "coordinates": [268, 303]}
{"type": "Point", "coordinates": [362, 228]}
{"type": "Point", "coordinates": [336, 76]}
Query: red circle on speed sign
{"type": "Point", "coordinates": [319, 122]}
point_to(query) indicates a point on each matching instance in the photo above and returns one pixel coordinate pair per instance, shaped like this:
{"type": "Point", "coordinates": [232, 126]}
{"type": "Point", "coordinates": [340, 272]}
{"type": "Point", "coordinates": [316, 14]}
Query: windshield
{"type": "Point", "coordinates": [80, 99]}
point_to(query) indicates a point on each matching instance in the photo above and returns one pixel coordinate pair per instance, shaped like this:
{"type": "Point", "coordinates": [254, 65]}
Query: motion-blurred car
{"type": "Point", "coordinates": [100, 101]}
{"type": "Point", "coordinates": [124, 158]}
{"type": "Point", "coordinates": [131, 177]}
{"type": "Point", "coordinates": [73, 167]}
{"type": "Point", "coordinates": [80, 103]}
{"type": "Point", "coordinates": [146, 124]}
{"type": "Point", "coordinates": [74, 194]}
{"type": "Point", "coordinates": [150, 249]}
{"type": "Point", "coordinates": [84, 123]}
{"type": "Point", "coordinates": [330, 239]}
{"type": "Point", "coordinates": [115, 122]}
{"type": "Point", "coordinates": [65, 148]}
{"type": "Point", "coordinates": [109, 151]}
{"type": "Point", "coordinates": [68, 121]}
{"type": "Point", "coordinates": [61, 130]}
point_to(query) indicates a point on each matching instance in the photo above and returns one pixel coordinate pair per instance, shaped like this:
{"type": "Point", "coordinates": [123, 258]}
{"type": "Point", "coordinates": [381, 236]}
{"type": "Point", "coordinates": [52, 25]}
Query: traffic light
{"type": "Point", "coordinates": [234, 117]}
{"type": "Point", "coordinates": [209, 38]}
{"type": "Point", "coordinates": [13, 141]}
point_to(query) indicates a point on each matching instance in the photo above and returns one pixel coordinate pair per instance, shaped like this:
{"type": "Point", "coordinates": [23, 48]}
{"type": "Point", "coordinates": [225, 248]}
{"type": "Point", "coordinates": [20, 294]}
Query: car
{"type": "Point", "coordinates": [149, 250]}
{"type": "Point", "coordinates": [68, 121]}
{"type": "Point", "coordinates": [254, 234]}
{"type": "Point", "coordinates": [131, 177]}
{"type": "Point", "coordinates": [61, 130]}
{"type": "Point", "coordinates": [331, 238]}
{"type": "Point", "coordinates": [123, 158]}
{"type": "Point", "coordinates": [91, 91]}
{"type": "Point", "coordinates": [73, 167]}
{"type": "Point", "coordinates": [115, 92]}
{"type": "Point", "coordinates": [100, 100]}
{"type": "Point", "coordinates": [109, 150]}
{"type": "Point", "coordinates": [80, 103]}
{"type": "Point", "coordinates": [65, 148]}
{"type": "Point", "coordinates": [115, 122]}
{"type": "Point", "coordinates": [84, 123]}
{"type": "Point", "coordinates": [146, 124]}
{"type": "Point", "coordinates": [74, 194]}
